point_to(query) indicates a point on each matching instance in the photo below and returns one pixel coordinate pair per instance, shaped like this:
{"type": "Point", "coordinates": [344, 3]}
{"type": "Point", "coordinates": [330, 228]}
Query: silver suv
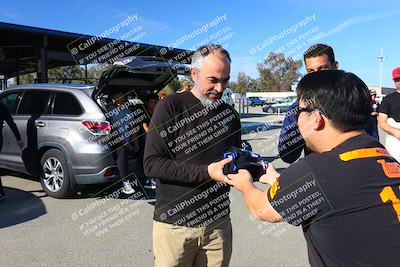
{"type": "Point", "coordinates": [65, 127]}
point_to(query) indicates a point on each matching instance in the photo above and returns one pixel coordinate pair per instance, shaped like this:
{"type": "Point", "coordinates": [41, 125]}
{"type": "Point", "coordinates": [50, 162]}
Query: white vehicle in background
{"type": "Point", "coordinates": [236, 97]}
{"type": "Point", "coordinates": [379, 98]}
{"type": "Point", "coordinates": [227, 97]}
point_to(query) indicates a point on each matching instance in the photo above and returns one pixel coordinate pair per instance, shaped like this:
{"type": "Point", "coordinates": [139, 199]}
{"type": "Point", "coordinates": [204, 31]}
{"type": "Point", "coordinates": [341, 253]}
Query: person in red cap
{"type": "Point", "coordinates": [389, 117]}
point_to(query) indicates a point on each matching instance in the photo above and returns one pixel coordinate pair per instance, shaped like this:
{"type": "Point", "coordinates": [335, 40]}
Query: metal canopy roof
{"type": "Point", "coordinates": [25, 49]}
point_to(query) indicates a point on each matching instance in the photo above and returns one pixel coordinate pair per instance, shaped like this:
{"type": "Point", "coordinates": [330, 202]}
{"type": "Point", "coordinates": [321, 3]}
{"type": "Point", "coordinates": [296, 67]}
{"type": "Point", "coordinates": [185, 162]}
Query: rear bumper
{"type": "Point", "coordinates": [96, 177]}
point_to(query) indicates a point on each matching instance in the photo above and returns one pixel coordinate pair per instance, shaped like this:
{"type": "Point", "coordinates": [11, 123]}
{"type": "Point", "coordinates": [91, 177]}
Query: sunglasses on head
{"type": "Point", "coordinates": [305, 109]}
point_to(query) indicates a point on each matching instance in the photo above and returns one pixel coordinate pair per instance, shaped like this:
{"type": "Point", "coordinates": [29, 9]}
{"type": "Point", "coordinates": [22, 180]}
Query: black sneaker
{"type": "Point", "coordinates": [150, 183]}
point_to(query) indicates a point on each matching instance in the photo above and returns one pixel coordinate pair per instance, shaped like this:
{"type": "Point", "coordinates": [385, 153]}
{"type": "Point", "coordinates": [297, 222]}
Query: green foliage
{"type": "Point", "coordinates": [243, 84]}
{"type": "Point", "coordinates": [168, 90]}
{"type": "Point", "coordinates": [70, 72]}
{"type": "Point", "coordinates": [95, 72]}
{"type": "Point", "coordinates": [277, 73]}
{"type": "Point", "coordinates": [175, 85]}
{"type": "Point", "coordinates": [26, 78]}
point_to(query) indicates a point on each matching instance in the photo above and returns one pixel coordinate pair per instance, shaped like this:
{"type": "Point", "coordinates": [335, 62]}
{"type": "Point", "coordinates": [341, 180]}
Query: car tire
{"type": "Point", "coordinates": [55, 177]}
{"type": "Point", "coordinates": [270, 110]}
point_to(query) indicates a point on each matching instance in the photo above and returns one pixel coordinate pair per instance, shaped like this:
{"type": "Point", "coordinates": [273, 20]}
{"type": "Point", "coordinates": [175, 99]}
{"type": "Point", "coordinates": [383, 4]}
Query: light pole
{"type": "Point", "coordinates": [381, 58]}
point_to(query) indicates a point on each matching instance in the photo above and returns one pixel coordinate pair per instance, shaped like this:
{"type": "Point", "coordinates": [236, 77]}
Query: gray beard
{"type": "Point", "coordinates": [203, 98]}
{"type": "Point", "coordinates": [206, 102]}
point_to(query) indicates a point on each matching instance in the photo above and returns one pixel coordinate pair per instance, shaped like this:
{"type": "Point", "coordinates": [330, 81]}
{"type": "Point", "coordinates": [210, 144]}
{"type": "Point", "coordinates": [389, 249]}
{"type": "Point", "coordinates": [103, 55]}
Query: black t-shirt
{"type": "Point", "coordinates": [391, 106]}
{"type": "Point", "coordinates": [184, 138]}
{"type": "Point", "coordinates": [344, 201]}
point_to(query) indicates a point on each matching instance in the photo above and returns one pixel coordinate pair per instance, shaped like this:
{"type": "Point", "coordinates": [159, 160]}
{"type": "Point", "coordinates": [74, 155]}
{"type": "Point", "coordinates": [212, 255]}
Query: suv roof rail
{"type": "Point", "coordinates": [52, 86]}
{"type": "Point", "coordinates": [138, 60]}
{"type": "Point", "coordinates": [65, 80]}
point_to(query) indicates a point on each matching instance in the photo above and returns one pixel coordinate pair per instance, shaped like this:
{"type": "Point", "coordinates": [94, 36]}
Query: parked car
{"type": "Point", "coordinates": [280, 106]}
{"type": "Point", "coordinates": [255, 101]}
{"type": "Point", "coordinates": [65, 127]}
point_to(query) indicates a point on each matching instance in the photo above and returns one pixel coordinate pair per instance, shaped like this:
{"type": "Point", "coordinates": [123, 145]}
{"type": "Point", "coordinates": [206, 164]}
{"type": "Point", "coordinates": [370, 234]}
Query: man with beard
{"type": "Point", "coordinates": [187, 133]}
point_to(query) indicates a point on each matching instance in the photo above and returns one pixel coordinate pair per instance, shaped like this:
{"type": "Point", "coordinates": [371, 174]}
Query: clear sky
{"type": "Point", "coordinates": [357, 30]}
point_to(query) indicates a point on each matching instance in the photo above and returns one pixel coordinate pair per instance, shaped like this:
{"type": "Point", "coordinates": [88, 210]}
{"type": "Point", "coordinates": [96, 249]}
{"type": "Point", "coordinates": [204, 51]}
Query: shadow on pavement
{"type": "Point", "coordinates": [94, 191]}
{"type": "Point", "coordinates": [19, 207]}
{"type": "Point", "coordinates": [99, 191]}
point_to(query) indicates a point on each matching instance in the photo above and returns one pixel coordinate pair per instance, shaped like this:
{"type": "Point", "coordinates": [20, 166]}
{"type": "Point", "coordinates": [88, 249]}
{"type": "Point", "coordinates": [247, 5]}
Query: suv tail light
{"type": "Point", "coordinates": [109, 173]}
{"type": "Point", "coordinates": [97, 127]}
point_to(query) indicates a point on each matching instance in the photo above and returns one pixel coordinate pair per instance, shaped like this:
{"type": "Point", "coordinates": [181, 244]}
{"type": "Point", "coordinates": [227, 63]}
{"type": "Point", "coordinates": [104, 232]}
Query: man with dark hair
{"type": "Point", "coordinates": [318, 57]}
{"type": "Point", "coordinates": [345, 194]}
{"type": "Point", "coordinates": [6, 116]}
{"type": "Point", "coordinates": [188, 132]}
{"type": "Point", "coordinates": [389, 117]}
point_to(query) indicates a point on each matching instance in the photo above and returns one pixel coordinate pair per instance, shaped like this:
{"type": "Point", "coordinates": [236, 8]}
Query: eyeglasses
{"type": "Point", "coordinates": [306, 109]}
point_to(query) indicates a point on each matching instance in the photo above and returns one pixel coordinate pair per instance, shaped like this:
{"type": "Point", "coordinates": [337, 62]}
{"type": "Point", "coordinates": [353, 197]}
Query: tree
{"type": "Point", "coordinates": [242, 85]}
{"type": "Point", "coordinates": [254, 86]}
{"type": "Point", "coordinates": [26, 78]}
{"type": "Point", "coordinates": [278, 73]}
{"type": "Point", "coordinates": [69, 72]}
{"type": "Point", "coordinates": [175, 84]}
{"type": "Point", "coordinates": [95, 71]}
{"type": "Point", "coordinates": [168, 90]}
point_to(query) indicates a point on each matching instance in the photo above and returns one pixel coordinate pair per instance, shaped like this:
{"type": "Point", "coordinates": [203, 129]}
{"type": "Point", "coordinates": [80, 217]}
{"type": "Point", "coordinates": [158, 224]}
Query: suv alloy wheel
{"type": "Point", "coordinates": [55, 177]}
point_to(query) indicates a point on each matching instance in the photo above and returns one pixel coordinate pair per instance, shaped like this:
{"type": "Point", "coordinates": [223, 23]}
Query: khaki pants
{"type": "Point", "coordinates": [192, 246]}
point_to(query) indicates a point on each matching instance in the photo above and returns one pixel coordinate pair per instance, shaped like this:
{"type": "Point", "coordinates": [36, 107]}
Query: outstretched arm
{"type": "Point", "coordinates": [383, 124]}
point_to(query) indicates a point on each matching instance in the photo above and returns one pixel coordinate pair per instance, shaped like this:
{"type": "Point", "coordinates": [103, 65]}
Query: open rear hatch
{"type": "Point", "coordinates": [141, 75]}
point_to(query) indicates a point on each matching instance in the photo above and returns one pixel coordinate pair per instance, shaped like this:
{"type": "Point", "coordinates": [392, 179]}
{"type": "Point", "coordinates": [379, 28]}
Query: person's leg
{"type": "Point", "coordinates": [175, 245]}
{"type": "Point", "coordinates": [122, 162]}
{"type": "Point", "coordinates": [217, 246]}
{"type": "Point", "coordinates": [1, 188]}
{"type": "Point", "coordinates": [2, 193]}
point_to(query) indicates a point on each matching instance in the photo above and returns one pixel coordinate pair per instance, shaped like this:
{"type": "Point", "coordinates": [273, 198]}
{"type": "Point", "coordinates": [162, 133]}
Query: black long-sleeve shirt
{"type": "Point", "coordinates": [6, 116]}
{"type": "Point", "coordinates": [184, 138]}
